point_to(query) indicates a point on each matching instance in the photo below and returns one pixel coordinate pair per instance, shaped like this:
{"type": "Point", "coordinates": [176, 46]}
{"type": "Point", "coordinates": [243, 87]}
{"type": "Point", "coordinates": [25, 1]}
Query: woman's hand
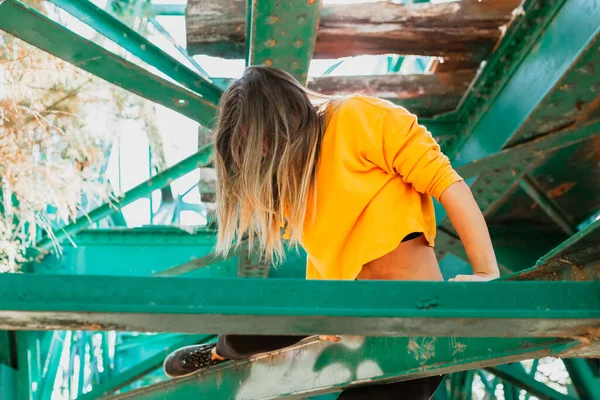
{"type": "Point", "coordinates": [478, 277]}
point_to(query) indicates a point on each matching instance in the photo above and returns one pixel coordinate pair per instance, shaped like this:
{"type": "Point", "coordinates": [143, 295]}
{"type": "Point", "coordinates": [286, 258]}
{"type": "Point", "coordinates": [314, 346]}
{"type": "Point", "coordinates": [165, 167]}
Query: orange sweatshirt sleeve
{"type": "Point", "coordinates": [404, 147]}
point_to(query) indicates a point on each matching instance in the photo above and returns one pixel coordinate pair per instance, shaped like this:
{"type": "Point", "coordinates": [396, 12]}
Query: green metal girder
{"type": "Point", "coordinates": [586, 383]}
{"type": "Point", "coordinates": [282, 34]}
{"type": "Point", "coordinates": [517, 376]}
{"type": "Point", "coordinates": [32, 27]}
{"type": "Point", "coordinates": [201, 158]}
{"type": "Point", "coordinates": [289, 306]}
{"type": "Point", "coordinates": [51, 365]}
{"type": "Point", "coordinates": [526, 153]}
{"type": "Point", "coordinates": [575, 259]}
{"type": "Point", "coordinates": [520, 38]}
{"type": "Point", "coordinates": [139, 46]}
{"type": "Point", "coordinates": [536, 192]}
{"type": "Point", "coordinates": [157, 9]}
{"type": "Point", "coordinates": [511, 101]}
{"type": "Point", "coordinates": [538, 72]}
{"type": "Point", "coordinates": [135, 372]}
{"type": "Point", "coordinates": [313, 368]}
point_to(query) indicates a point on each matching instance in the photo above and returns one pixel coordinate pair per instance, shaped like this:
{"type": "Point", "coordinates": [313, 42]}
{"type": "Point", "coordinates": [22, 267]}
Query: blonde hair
{"type": "Point", "coordinates": [266, 146]}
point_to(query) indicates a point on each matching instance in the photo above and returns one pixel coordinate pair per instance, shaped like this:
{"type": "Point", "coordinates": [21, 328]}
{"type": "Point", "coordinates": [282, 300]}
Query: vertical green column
{"type": "Point", "coordinates": [585, 381]}
{"type": "Point", "coordinates": [25, 352]}
{"type": "Point", "coordinates": [282, 34]}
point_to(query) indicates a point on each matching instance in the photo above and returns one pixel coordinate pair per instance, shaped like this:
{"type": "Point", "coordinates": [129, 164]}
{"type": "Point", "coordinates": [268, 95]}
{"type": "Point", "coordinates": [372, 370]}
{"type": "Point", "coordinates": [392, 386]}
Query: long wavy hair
{"type": "Point", "coordinates": [267, 143]}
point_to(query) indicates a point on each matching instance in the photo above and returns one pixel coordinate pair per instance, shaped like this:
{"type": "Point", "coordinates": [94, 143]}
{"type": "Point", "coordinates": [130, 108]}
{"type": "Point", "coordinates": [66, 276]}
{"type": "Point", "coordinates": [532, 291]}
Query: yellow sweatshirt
{"type": "Point", "coordinates": [377, 171]}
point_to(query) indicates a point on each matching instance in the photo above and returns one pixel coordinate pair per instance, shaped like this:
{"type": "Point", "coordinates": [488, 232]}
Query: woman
{"type": "Point", "coordinates": [351, 181]}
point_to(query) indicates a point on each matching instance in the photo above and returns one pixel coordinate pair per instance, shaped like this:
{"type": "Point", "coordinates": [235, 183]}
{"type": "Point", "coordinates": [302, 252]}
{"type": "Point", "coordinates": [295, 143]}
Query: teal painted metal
{"type": "Point", "coordinates": [201, 158]}
{"type": "Point", "coordinates": [575, 259]}
{"type": "Point", "coordinates": [530, 151]}
{"type": "Point", "coordinates": [332, 68]}
{"type": "Point", "coordinates": [7, 380]}
{"type": "Point", "coordinates": [157, 9]}
{"type": "Point", "coordinates": [136, 44]}
{"type": "Point", "coordinates": [25, 356]}
{"type": "Point", "coordinates": [289, 306]}
{"type": "Point", "coordinates": [158, 26]}
{"type": "Point", "coordinates": [249, 263]}
{"type": "Point", "coordinates": [516, 45]}
{"type": "Point", "coordinates": [283, 34]}
{"type": "Point", "coordinates": [51, 365]}
{"type": "Point", "coordinates": [314, 368]}
{"type": "Point", "coordinates": [535, 75]}
{"type": "Point", "coordinates": [533, 189]}
{"type": "Point", "coordinates": [511, 373]}
{"type": "Point", "coordinates": [585, 381]}
{"type": "Point", "coordinates": [135, 372]}
{"type": "Point", "coordinates": [106, 359]}
{"type": "Point", "coordinates": [534, 368]}
{"type": "Point", "coordinates": [158, 251]}
{"type": "Point", "coordinates": [82, 354]}
{"type": "Point", "coordinates": [32, 27]}
{"type": "Point", "coordinates": [574, 99]}
{"type": "Point", "coordinates": [394, 63]}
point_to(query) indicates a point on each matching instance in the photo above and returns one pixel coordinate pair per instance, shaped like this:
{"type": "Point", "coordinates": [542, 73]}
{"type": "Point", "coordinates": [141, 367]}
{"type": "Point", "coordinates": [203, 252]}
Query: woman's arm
{"type": "Point", "coordinates": [468, 221]}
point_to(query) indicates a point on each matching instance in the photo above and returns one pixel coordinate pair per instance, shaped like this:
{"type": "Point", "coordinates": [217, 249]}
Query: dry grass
{"type": "Point", "coordinates": [55, 133]}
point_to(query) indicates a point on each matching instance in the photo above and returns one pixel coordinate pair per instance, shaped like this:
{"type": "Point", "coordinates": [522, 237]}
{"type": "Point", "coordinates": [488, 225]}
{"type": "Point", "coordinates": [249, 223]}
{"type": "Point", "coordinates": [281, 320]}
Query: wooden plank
{"type": "Point", "coordinates": [423, 94]}
{"type": "Point", "coordinates": [461, 30]}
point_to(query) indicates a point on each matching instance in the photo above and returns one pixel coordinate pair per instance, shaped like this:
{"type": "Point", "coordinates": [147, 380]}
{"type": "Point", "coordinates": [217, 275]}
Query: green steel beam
{"type": "Point", "coordinates": [314, 368]}
{"type": "Point", "coordinates": [201, 158]}
{"type": "Point", "coordinates": [289, 306]}
{"type": "Point", "coordinates": [32, 27]}
{"type": "Point", "coordinates": [504, 64]}
{"type": "Point", "coordinates": [520, 379]}
{"type": "Point", "coordinates": [157, 9]}
{"type": "Point", "coordinates": [552, 210]}
{"type": "Point", "coordinates": [586, 383]}
{"type": "Point", "coordinates": [575, 259]}
{"type": "Point", "coordinates": [282, 34]}
{"type": "Point", "coordinates": [512, 97]}
{"type": "Point", "coordinates": [529, 151]}
{"type": "Point", "coordinates": [136, 44]}
{"type": "Point", "coordinates": [51, 365]}
{"type": "Point", "coordinates": [136, 372]}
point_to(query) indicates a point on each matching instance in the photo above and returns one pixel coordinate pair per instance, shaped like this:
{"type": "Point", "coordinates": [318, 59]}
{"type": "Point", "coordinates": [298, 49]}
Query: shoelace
{"type": "Point", "coordinates": [201, 358]}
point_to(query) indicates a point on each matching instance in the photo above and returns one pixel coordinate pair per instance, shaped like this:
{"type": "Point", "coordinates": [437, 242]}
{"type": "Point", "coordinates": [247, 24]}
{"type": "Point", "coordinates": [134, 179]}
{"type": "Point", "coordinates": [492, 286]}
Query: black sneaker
{"type": "Point", "coordinates": [189, 360]}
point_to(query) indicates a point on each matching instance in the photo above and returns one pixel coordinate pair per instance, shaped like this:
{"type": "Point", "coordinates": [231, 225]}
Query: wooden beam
{"type": "Point", "coordinates": [461, 30]}
{"type": "Point", "coordinates": [423, 94]}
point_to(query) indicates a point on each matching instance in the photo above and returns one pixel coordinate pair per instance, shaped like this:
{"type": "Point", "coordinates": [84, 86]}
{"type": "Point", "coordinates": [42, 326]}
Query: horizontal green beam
{"type": "Point", "coordinates": [289, 306]}
{"type": "Point", "coordinates": [575, 259]}
{"type": "Point", "coordinates": [39, 31]}
{"type": "Point", "coordinates": [136, 372]}
{"type": "Point", "coordinates": [520, 379]}
{"type": "Point", "coordinates": [315, 368]}
{"type": "Point", "coordinates": [136, 44]}
{"type": "Point", "coordinates": [201, 158]}
{"type": "Point", "coordinates": [156, 9]}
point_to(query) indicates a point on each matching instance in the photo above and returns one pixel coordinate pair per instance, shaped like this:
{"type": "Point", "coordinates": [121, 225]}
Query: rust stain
{"type": "Point", "coordinates": [422, 352]}
{"type": "Point", "coordinates": [560, 190]}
